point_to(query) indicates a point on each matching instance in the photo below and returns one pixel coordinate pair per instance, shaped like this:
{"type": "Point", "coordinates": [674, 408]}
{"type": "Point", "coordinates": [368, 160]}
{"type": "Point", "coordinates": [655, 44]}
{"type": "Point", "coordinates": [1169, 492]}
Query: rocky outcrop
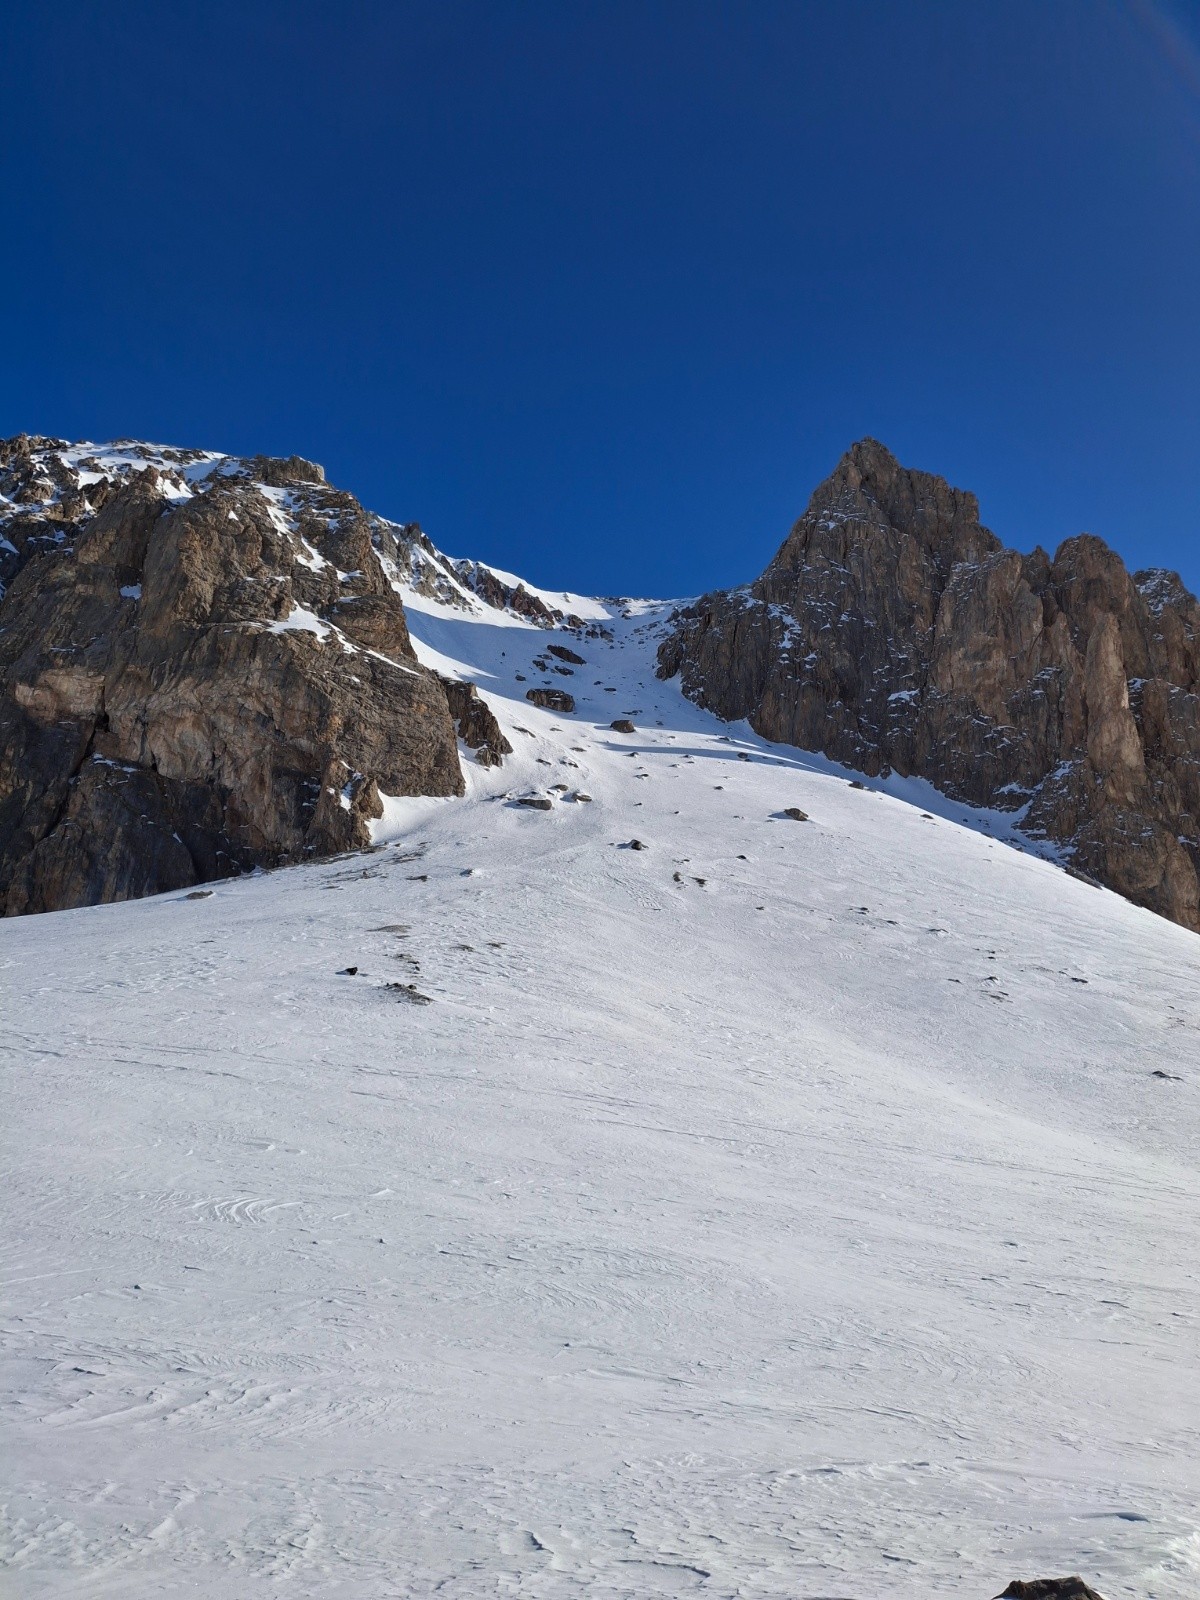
{"type": "Point", "coordinates": [893, 631]}
{"type": "Point", "coordinates": [551, 699]}
{"type": "Point", "coordinates": [516, 597]}
{"type": "Point", "coordinates": [476, 722]}
{"type": "Point", "coordinates": [204, 667]}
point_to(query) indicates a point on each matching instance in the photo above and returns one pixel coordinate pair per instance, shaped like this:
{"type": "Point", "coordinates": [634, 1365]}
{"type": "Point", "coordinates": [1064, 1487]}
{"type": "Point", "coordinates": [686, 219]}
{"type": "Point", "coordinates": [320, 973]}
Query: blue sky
{"type": "Point", "coordinates": [600, 291]}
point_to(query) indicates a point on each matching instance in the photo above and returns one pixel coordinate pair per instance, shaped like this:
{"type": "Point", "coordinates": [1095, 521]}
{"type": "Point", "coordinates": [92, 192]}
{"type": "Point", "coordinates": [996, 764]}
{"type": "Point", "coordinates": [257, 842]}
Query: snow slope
{"type": "Point", "coordinates": [784, 1209]}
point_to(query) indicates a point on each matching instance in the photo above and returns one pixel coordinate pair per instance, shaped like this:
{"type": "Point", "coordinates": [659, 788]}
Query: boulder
{"type": "Point", "coordinates": [551, 699]}
{"type": "Point", "coordinates": [1049, 1589]}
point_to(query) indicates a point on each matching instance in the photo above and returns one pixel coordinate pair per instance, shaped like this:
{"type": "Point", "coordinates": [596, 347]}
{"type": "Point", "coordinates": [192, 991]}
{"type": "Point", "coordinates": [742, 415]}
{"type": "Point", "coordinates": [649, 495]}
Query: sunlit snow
{"type": "Point", "coordinates": [784, 1209]}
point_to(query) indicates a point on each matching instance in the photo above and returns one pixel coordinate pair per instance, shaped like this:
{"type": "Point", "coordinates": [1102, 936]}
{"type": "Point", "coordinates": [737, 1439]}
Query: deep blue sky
{"type": "Point", "coordinates": [599, 291]}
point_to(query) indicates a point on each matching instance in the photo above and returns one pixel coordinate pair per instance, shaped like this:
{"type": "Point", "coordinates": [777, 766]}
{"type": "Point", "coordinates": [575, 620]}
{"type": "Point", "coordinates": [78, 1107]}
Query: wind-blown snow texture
{"type": "Point", "coordinates": [784, 1209]}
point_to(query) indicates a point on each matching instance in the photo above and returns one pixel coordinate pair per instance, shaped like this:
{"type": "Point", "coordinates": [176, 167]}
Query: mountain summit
{"type": "Point", "coordinates": [893, 631]}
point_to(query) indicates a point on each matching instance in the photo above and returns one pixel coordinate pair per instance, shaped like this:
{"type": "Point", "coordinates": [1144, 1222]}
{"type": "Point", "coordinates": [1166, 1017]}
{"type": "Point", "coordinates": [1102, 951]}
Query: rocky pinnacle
{"type": "Point", "coordinates": [892, 631]}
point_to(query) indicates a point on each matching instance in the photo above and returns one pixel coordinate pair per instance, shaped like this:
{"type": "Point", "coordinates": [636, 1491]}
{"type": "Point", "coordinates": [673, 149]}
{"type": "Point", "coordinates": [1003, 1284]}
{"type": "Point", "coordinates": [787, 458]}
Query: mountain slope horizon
{"type": "Point", "coordinates": [891, 631]}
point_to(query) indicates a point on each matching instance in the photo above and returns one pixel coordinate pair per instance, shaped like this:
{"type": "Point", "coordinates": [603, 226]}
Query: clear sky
{"type": "Point", "coordinates": [599, 290]}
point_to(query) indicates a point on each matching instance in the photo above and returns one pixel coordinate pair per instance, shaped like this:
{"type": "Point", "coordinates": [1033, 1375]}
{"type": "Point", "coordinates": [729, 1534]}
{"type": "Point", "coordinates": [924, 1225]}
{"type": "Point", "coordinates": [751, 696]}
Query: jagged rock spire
{"type": "Point", "coordinates": [893, 630]}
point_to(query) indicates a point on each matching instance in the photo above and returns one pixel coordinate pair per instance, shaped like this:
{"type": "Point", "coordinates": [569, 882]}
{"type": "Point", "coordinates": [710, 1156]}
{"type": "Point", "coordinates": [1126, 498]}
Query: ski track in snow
{"type": "Point", "coordinates": [819, 1229]}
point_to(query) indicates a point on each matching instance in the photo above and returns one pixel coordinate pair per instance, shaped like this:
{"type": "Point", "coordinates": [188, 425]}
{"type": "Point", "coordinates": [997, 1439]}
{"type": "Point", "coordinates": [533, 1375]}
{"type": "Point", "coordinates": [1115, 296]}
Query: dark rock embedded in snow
{"type": "Point", "coordinates": [795, 813]}
{"type": "Point", "coordinates": [1049, 1589]}
{"type": "Point", "coordinates": [196, 678]}
{"type": "Point", "coordinates": [893, 630]}
{"type": "Point", "coordinates": [564, 654]}
{"type": "Point", "coordinates": [551, 699]}
{"type": "Point", "coordinates": [535, 802]}
{"type": "Point", "coordinates": [409, 992]}
{"type": "Point", "coordinates": [622, 725]}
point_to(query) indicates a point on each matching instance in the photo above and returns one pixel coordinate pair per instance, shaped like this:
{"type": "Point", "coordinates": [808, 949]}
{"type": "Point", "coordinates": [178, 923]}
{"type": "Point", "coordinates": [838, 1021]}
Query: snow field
{"type": "Point", "coordinates": [818, 1228]}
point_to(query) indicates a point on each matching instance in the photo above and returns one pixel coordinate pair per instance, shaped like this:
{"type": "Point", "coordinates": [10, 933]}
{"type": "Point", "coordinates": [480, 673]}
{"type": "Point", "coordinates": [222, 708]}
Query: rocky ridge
{"type": "Point", "coordinates": [893, 631]}
{"type": "Point", "coordinates": [205, 667]}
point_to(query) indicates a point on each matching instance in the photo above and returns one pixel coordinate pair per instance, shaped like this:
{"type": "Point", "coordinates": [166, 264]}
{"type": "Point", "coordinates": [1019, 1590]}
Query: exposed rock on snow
{"type": "Point", "coordinates": [892, 630]}
{"type": "Point", "coordinates": [514, 597]}
{"type": "Point", "coordinates": [1049, 1589]}
{"type": "Point", "coordinates": [565, 654]}
{"type": "Point", "coordinates": [551, 699]}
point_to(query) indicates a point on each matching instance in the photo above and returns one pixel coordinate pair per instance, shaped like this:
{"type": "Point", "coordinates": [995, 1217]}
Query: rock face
{"type": "Point", "coordinates": [476, 722]}
{"type": "Point", "coordinates": [204, 667]}
{"type": "Point", "coordinates": [893, 631]}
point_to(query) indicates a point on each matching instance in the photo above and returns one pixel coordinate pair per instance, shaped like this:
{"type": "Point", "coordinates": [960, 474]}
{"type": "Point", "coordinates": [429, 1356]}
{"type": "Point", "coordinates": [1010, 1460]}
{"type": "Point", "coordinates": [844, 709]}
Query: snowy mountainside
{"type": "Point", "coordinates": [785, 1208]}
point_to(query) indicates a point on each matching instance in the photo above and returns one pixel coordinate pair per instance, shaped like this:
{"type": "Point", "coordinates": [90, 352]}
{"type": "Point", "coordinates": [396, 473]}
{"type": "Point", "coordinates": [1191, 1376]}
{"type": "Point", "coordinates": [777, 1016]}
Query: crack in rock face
{"type": "Point", "coordinates": [893, 632]}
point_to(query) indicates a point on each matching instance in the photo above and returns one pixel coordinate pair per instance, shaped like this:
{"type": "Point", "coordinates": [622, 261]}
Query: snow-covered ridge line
{"type": "Point", "coordinates": [60, 484]}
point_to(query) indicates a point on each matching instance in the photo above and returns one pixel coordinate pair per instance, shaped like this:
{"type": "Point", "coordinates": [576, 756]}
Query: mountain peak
{"type": "Point", "coordinates": [893, 630]}
{"type": "Point", "coordinates": [870, 491]}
